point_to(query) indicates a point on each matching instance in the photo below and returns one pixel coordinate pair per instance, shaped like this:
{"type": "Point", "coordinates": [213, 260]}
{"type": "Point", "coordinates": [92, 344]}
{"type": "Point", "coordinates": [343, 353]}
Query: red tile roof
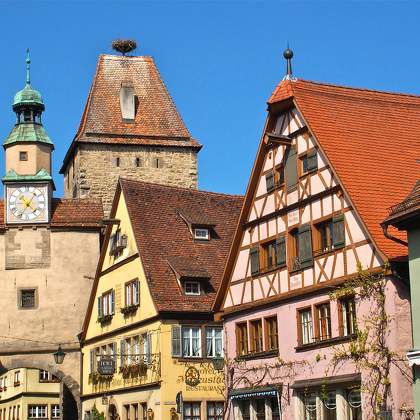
{"type": "Point", "coordinates": [372, 141]}
{"type": "Point", "coordinates": [68, 213]}
{"type": "Point", "coordinates": [157, 121]}
{"type": "Point", "coordinates": [165, 242]}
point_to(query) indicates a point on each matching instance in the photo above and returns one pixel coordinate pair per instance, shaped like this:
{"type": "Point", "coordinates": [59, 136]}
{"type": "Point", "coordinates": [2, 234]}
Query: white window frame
{"type": "Point", "coordinates": [191, 292]}
{"type": "Point", "coordinates": [307, 326]}
{"type": "Point", "coordinates": [187, 333]}
{"type": "Point", "coordinates": [17, 376]}
{"type": "Point", "coordinates": [213, 339]}
{"type": "Point", "coordinates": [55, 411]}
{"type": "Point", "coordinates": [198, 234]}
{"type": "Point", "coordinates": [132, 293]}
{"type": "Point", "coordinates": [38, 411]}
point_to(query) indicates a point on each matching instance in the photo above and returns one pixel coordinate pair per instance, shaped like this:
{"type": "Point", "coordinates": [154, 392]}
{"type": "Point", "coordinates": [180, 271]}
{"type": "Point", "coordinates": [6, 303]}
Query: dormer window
{"type": "Point", "coordinates": [192, 288]}
{"type": "Point", "coordinates": [201, 234]}
{"type": "Point", "coordinates": [127, 101]}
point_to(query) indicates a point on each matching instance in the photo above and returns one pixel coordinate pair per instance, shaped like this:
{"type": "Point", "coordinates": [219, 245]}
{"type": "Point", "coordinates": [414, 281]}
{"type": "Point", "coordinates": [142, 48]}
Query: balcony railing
{"type": "Point", "coordinates": [295, 264]}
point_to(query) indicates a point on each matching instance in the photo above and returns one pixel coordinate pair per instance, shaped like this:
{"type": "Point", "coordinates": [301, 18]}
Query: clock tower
{"type": "Point", "coordinates": [28, 183]}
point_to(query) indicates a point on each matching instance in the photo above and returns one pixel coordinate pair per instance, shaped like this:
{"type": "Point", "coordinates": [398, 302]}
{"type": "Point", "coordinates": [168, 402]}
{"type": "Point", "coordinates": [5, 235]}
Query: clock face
{"type": "Point", "coordinates": [27, 204]}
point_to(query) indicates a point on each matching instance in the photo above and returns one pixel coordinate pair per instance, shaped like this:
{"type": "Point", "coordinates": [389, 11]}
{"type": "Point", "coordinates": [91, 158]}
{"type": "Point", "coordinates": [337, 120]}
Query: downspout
{"type": "Point", "coordinates": [393, 238]}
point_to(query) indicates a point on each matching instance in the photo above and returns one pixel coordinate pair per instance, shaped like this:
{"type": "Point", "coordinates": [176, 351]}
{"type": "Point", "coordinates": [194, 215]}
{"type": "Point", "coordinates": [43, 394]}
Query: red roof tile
{"type": "Point", "coordinates": [70, 213]}
{"type": "Point", "coordinates": [165, 241]}
{"type": "Point", "coordinates": [371, 139]}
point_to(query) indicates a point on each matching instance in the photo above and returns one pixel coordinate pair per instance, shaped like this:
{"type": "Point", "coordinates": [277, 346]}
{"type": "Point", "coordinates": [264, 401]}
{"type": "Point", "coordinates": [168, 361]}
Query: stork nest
{"type": "Point", "coordinates": [124, 46]}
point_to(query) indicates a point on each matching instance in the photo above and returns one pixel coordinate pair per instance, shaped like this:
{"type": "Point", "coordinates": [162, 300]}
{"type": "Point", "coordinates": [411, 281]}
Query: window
{"type": "Point", "coordinates": [274, 253]}
{"type": "Point", "coordinates": [126, 411]}
{"type": "Point", "coordinates": [354, 404]}
{"type": "Point", "coordinates": [245, 409]}
{"type": "Point", "coordinates": [323, 321]}
{"type": "Point", "coordinates": [17, 378]}
{"type": "Point", "coordinates": [27, 298]}
{"type": "Point", "coordinates": [275, 409]}
{"type": "Point", "coordinates": [37, 412]}
{"type": "Point", "coordinates": [192, 287]}
{"type": "Point", "coordinates": [116, 162]}
{"type": "Point", "coordinates": [144, 410]}
{"type": "Point", "coordinates": [270, 181]}
{"type": "Point", "coordinates": [45, 376]}
{"type": "Point", "coordinates": [256, 336]}
{"type": "Point", "coordinates": [191, 341]}
{"type": "Point", "coordinates": [330, 234]}
{"type": "Point", "coordinates": [106, 304]}
{"type": "Point", "coordinates": [23, 156]}
{"type": "Point", "coordinates": [192, 411]}
{"type": "Point", "coordinates": [329, 406]}
{"type": "Point", "coordinates": [201, 234]}
{"type": "Point", "coordinates": [260, 408]}
{"type": "Point", "coordinates": [132, 293]}
{"type": "Point", "coordinates": [347, 316]}
{"type": "Point", "coordinates": [279, 176]}
{"type": "Point", "coordinates": [310, 406]}
{"type": "Point", "coordinates": [271, 333]}
{"type": "Point", "coordinates": [214, 342]}
{"type": "Point", "coordinates": [305, 326]}
{"type": "Point", "coordinates": [214, 410]}
{"type": "Point", "coordinates": [55, 411]}
{"type": "Point", "coordinates": [255, 261]}
{"type": "Point", "coordinates": [157, 163]}
{"type": "Point", "coordinates": [136, 349]}
{"type": "Point", "coordinates": [241, 339]}
{"type": "Point", "coordinates": [309, 162]}
{"type": "Point", "coordinates": [137, 162]}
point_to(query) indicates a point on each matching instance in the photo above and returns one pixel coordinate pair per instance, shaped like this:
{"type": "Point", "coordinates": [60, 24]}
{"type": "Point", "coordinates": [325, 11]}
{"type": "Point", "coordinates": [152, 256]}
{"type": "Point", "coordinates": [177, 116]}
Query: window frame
{"type": "Point", "coordinates": [215, 415]}
{"type": "Point", "coordinates": [191, 416]}
{"type": "Point", "coordinates": [192, 282]}
{"type": "Point", "coordinates": [23, 156]}
{"type": "Point", "coordinates": [304, 157]}
{"type": "Point", "coordinates": [191, 339]}
{"type": "Point", "coordinates": [318, 320]}
{"type": "Point", "coordinates": [213, 339]}
{"type": "Point", "coordinates": [38, 414]}
{"type": "Point", "coordinates": [202, 238]}
{"type": "Point", "coordinates": [134, 296]}
{"type": "Point", "coordinates": [300, 335]}
{"type": "Point", "coordinates": [268, 334]}
{"type": "Point", "coordinates": [241, 338]}
{"type": "Point", "coordinates": [35, 297]}
{"type": "Point", "coordinates": [341, 324]}
{"type": "Point", "coordinates": [256, 343]}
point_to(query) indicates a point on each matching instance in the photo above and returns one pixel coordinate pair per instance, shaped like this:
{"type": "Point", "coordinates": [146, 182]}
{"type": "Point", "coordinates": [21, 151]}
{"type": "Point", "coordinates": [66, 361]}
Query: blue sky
{"type": "Point", "coordinates": [219, 59]}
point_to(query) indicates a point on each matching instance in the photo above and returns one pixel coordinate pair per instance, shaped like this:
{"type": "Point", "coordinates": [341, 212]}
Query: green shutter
{"type": "Point", "coordinates": [281, 251]}
{"type": "Point", "coordinates": [255, 261]}
{"type": "Point", "coordinates": [99, 306]}
{"type": "Point", "coordinates": [305, 246]}
{"type": "Point", "coordinates": [122, 353]}
{"type": "Point", "coordinates": [339, 237]}
{"type": "Point", "coordinates": [312, 160]}
{"type": "Point", "coordinates": [269, 181]}
{"type": "Point", "coordinates": [291, 168]}
{"type": "Point", "coordinates": [176, 341]}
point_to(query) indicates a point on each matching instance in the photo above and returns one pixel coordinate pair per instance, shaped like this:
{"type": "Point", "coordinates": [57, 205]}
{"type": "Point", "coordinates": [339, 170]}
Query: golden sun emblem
{"type": "Point", "coordinates": [192, 376]}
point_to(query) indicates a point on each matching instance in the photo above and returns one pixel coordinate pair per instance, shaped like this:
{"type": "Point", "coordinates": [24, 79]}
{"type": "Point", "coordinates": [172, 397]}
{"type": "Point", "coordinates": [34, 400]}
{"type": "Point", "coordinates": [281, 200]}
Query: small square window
{"type": "Point", "coordinates": [192, 288]}
{"type": "Point", "coordinates": [201, 234]}
{"type": "Point", "coordinates": [27, 298]}
{"type": "Point", "coordinates": [137, 162]}
{"type": "Point", "coordinates": [23, 156]}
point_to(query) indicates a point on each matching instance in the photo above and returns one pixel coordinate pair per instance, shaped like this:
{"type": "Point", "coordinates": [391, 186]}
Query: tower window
{"type": "Point", "coordinates": [27, 298]}
{"type": "Point", "coordinates": [27, 115]}
{"type": "Point", "coordinates": [116, 162]}
{"type": "Point", "coordinates": [157, 163]}
{"type": "Point", "coordinates": [23, 155]}
{"type": "Point", "coordinates": [137, 162]}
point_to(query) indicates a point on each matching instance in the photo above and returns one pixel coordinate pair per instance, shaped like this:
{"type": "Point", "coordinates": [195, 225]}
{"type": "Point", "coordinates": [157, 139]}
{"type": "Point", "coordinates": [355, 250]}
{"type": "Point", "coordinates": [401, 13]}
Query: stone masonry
{"type": "Point", "coordinates": [96, 168]}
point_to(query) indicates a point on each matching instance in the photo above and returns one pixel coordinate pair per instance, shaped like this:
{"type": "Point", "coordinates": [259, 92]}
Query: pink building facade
{"type": "Point", "coordinates": [303, 231]}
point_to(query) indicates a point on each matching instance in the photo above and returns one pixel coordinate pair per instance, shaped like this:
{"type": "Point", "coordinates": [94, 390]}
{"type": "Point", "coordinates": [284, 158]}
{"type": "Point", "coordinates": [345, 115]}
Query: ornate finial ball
{"type": "Point", "coordinates": [288, 54]}
{"type": "Point", "coordinates": [124, 46]}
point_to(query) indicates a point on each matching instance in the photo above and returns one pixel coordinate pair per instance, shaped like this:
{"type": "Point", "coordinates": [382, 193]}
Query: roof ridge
{"type": "Point", "coordinates": [175, 187]}
{"type": "Point", "coordinates": [360, 89]}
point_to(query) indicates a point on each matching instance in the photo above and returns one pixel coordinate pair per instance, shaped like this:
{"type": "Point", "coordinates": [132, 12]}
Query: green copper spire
{"type": "Point", "coordinates": [28, 68]}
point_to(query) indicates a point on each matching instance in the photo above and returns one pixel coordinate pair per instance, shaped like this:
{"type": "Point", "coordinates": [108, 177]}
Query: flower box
{"type": "Point", "coordinates": [129, 309]}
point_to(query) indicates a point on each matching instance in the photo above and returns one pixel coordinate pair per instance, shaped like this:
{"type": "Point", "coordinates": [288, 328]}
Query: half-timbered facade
{"type": "Point", "coordinates": [320, 186]}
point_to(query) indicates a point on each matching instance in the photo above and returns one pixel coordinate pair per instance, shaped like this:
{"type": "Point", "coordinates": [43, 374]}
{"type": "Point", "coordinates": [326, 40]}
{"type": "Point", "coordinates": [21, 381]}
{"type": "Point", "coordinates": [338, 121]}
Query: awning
{"type": "Point", "coordinates": [257, 392]}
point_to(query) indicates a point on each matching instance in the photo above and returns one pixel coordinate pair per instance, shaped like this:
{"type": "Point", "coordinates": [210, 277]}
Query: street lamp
{"type": "Point", "coordinates": [59, 355]}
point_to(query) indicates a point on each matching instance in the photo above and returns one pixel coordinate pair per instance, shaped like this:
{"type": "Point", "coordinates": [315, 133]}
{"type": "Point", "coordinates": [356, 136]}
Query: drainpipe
{"type": "Point", "coordinates": [393, 238]}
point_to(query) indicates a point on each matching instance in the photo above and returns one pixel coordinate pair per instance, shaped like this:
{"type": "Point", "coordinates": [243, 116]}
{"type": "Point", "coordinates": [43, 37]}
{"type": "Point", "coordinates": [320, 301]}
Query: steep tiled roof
{"type": "Point", "coordinates": [157, 121]}
{"type": "Point", "coordinates": [68, 213]}
{"type": "Point", "coordinates": [166, 245]}
{"type": "Point", "coordinates": [372, 141]}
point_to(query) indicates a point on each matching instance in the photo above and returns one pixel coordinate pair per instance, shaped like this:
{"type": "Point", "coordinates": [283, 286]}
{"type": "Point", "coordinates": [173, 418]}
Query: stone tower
{"type": "Point", "coordinates": [131, 128]}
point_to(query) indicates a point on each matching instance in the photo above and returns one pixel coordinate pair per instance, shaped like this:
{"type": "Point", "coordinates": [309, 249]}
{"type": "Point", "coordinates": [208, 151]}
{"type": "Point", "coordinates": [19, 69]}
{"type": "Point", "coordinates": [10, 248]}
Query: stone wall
{"type": "Point", "coordinates": [96, 168]}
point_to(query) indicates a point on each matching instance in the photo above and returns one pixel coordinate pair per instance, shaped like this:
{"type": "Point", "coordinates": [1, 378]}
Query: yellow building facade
{"type": "Point", "coordinates": [29, 394]}
{"type": "Point", "coordinates": [149, 334]}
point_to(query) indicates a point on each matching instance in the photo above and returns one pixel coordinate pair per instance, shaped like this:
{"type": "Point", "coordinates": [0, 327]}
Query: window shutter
{"type": "Point", "coordinates": [305, 246]}
{"type": "Point", "coordinates": [269, 181]}
{"type": "Point", "coordinates": [176, 341]}
{"type": "Point", "coordinates": [136, 292]}
{"type": "Point", "coordinates": [291, 168]}
{"type": "Point", "coordinates": [312, 160]}
{"type": "Point", "coordinates": [99, 306]}
{"type": "Point", "coordinates": [255, 261]}
{"type": "Point", "coordinates": [339, 236]}
{"type": "Point", "coordinates": [112, 312]}
{"type": "Point", "coordinates": [281, 251]}
{"type": "Point", "coordinates": [122, 352]}
{"type": "Point", "coordinates": [92, 361]}
{"type": "Point", "coordinates": [113, 350]}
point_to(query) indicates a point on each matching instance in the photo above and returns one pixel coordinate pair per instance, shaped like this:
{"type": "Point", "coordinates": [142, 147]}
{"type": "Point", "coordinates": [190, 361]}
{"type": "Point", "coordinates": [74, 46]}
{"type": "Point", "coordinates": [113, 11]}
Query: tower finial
{"type": "Point", "coordinates": [288, 55]}
{"type": "Point", "coordinates": [28, 68]}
